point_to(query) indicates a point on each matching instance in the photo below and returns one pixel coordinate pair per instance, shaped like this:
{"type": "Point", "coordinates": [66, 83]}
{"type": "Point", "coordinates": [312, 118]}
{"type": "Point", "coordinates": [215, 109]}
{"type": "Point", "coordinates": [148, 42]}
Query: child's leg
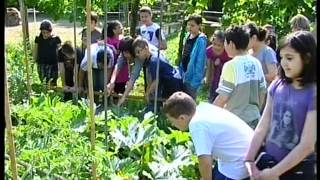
{"type": "Point", "coordinates": [53, 74]}
{"type": "Point", "coordinates": [41, 72]}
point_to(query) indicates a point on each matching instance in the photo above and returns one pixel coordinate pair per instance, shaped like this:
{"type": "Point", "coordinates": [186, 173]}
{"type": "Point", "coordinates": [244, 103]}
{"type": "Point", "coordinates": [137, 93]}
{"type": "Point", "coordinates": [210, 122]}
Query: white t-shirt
{"type": "Point", "coordinates": [149, 33]}
{"type": "Point", "coordinates": [218, 132]}
{"type": "Point", "coordinates": [95, 48]}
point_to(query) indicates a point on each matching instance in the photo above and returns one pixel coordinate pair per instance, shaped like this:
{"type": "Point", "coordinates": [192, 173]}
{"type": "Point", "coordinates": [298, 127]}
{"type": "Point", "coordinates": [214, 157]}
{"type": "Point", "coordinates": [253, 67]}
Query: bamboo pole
{"type": "Point", "coordinates": [158, 61]}
{"type": "Point", "coordinates": [90, 88]}
{"type": "Point", "coordinates": [9, 128]}
{"type": "Point", "coordinates": [24, 30]}
{"type": "Point", "coordinates": [105, 69]}
{"type": "Point", "coordinates": [34, 21]}
{"type": "Point", "coordinates": [75, 70]}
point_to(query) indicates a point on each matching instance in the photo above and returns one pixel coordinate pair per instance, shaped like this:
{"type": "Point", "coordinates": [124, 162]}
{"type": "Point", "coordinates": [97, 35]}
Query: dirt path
{"type": "Point", "coordinates": [62, 28]}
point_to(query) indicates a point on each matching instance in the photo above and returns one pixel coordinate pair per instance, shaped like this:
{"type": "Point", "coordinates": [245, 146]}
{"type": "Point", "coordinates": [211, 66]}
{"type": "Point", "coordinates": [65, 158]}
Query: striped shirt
{"type": "Point", "coordinates": [242, 80]}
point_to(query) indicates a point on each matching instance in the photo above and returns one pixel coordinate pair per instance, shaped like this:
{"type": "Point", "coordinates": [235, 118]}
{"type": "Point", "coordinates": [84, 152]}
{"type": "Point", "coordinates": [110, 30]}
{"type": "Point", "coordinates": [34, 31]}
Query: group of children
{"type": "Point", "coordinates": [248, 74]}
{"type": "Point", "coordinates": [282, 145]}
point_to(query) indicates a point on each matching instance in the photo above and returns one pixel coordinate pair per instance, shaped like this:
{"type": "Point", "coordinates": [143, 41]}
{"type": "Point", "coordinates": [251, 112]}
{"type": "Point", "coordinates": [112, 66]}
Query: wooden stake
{"type": "Point", "coordinates": [105, 69]}
{"type": "Point", "coordinates": [25, 45]}
{"type": "Point", "coordinates": [75, 70]}
{"type": "Point", "coordinates": [9, 128]}
{"type": "Point", "coordinates": [90, 88]}
{"type": "Point", "coordinates": [158, 62]}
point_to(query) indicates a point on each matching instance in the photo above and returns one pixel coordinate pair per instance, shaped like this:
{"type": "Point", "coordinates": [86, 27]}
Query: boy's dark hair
{"type": "Point", "coordinates": [262, 35]}
{"type": "Point", "coordinates": [146, 9]}
{"type": "Point", "coordinates": [139, 42]}
{"type": "Point", "coordinates": [67, 48]}
{"type": "Point", "coordinates": [111, 26]}
{"type": "Point", "coordinates": [218, 34]}
{"type": "Point", "coordinates": [100, 56]}
{"type": "Point", "coordinates": [179, 103]}
{"type": "Point", "coordinates": [304, 43]}
{"type": "Point", "coordinates": [260, 32]}
{"type": "Point", "coordinates": [238, 35]}
{"type": "Point", "coordinates": [196, 18]}
{"type": "Point", "coordinates": [273, 41]}
{"type": "Point", "coordinates": [94, 16]}
{"type": "Point", "coordinates": [252, 28]}
{"type": "Point", "coordinates": [126, 45]}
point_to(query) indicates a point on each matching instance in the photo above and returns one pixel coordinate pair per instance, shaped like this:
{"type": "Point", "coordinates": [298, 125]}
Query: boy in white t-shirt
{"type": "Point", "coordinates": [150, 30]}
{"type": "Point", "coordinates": [216, 134]}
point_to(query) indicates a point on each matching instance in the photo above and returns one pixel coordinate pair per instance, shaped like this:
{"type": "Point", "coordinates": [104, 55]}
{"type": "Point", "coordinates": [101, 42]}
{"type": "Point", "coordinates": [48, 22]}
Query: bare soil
{"type": "Point", "coordinates": [62, 28]}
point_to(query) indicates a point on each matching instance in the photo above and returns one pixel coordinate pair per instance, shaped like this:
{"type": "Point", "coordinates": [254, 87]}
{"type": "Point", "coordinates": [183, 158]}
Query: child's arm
{"type": "Point", "coordinates": [258, 138]}
{"type": "Point", "coordinates": [163, 44]}
{"type": "Point", "coordinates": [298, 153]}
{"type": "Point", "coordinates": [221, 100]}
{"type": "Point", "coordinates": [133, 77]}
{"type": "Point", "coordinates": [115, 73]}
{"type": "Point", "coordinates": [209, 71]}
{"type": "Point", "coordinates": [271, 64]}
{"type": "Point", "coordinates": [205, 166]}
{"type": "Point", "coordinates": [272, 72]}
{"type": "Point", "coordinates": [150, 89]}
{"type": "Point", "coordinates": [111, 84]}
{"type": "Point", "coordinates": [126, 92]}
{"type": "Point", "coordinates": [162, 40]}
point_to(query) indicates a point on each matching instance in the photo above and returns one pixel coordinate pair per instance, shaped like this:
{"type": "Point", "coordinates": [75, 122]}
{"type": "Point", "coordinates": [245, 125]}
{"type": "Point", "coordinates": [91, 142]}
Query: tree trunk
{"type": "Point", "coordinates": [134, 16]}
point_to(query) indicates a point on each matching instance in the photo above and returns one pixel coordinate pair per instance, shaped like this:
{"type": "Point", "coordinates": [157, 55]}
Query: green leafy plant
{"type": "Point", "coordinates": [53, 136]}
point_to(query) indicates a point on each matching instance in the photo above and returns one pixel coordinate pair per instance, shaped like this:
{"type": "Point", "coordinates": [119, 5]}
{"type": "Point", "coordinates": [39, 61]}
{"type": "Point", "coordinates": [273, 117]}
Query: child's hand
{"type": "Point", "coordinates": [110, 88]}
{"type": "Point", "coordinates": [253, 171]}
{"type": "Point", "coordinates": [267, 174]}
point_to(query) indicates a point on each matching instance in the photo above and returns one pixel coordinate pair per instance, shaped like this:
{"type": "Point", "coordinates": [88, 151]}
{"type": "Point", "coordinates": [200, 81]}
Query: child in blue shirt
{"type": "Point", "coordinates": [170, 79]}
{"type": "Point", "coordinates": [193, 56]}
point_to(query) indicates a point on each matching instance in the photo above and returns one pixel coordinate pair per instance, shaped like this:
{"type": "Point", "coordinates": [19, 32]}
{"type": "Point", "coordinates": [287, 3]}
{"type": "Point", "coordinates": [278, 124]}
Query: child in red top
{"type": "Point", "coordinates": [216, 57]}
{"type": "Point", "coordinates": [114, 35]}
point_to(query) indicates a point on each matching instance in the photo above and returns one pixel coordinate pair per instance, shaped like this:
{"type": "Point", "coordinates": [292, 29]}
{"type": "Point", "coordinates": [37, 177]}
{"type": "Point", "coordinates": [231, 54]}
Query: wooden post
{"type": "Point", "coordinates": [9, 128]}
{"type": "Point", "coordinates": [105, 69]}
{"type": "Point", "coordinates": [75, 70]}
{"type": "Point", "coordinates": [90, 88]}
{"type": "Point", "coordinates": [158, 61]}
{"type": "Point", "coordinates": [34, 21]}
{"type": "Point", "coordinates": [25, 44]}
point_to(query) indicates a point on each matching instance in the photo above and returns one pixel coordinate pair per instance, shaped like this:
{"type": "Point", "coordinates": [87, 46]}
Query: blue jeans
{"type": "Point", "coordinates": [216, 175]}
